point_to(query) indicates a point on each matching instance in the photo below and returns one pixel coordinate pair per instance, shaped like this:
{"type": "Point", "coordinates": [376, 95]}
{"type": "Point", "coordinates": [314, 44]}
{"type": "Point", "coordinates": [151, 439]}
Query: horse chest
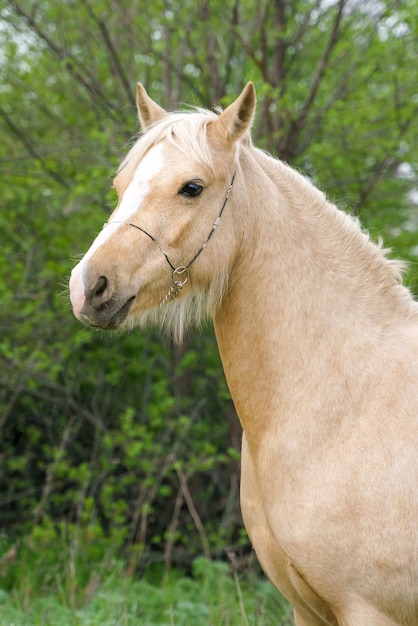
{"type": "Point", "coordinates": [322, 537]}
{"type": "Point", "coordinates": [270, 546]}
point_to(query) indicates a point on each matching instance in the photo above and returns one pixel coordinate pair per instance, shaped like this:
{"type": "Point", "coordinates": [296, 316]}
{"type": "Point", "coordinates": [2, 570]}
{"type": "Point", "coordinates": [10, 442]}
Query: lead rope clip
{"type": "Point", "coordinates": [180, 277]}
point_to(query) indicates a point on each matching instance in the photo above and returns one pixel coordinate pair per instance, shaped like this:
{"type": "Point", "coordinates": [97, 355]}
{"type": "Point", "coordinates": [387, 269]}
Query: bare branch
{"type": "Point", "coordinates": [31, 149]}
{"type": "Point", "coordinates": [288, 146]}
{"type": "Point", "coordinates": [50, 475]}
{"type": "Point", "coordinates": [323, 63]}
{"type": "Point", "coordinates": [193, 512]}
{"type": "Point", "coordinates": [84, 77]}
{"type": "Point", "coordinates": [113, 55]}
{"type": "Point", "coordinates": [171, 531]}
{"type": "Point", "coordinates": [387, 163]}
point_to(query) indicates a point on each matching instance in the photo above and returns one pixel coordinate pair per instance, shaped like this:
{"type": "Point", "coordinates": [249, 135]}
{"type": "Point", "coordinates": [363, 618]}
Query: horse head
{"type": "Point", "coordinates": [172, 189]}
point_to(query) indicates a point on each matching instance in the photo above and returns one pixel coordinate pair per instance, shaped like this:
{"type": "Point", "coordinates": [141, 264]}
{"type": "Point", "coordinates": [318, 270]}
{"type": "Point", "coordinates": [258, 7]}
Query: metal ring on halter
{"type": "Point", "coordinates": [179, 271]}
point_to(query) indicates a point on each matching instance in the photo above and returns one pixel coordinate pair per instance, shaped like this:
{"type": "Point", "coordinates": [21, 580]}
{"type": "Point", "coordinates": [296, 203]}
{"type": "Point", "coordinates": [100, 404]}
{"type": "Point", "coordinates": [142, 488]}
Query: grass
{"type": "Point", "coordinates": [56, 585]}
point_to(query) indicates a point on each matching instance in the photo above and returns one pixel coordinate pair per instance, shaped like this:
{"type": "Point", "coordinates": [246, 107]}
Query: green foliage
{"type": "Point", "coordinates": [78, 580]}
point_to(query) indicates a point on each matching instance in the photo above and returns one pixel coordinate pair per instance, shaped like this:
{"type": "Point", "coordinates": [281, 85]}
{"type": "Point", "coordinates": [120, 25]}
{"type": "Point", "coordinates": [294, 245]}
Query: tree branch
{"type": "Point", "coordinates": [30, 148]}
{"type": "Point", "coordinates": [113, 55]}
{"type": "Point", "coordinates": [193, 512]}
{"type": "Point", "coordinates": [323, 63]}
{"type": "Point", "coordinates": [289, 146]}
{"type": "Point", "coordinates": [50, 475]}
{"type": "Point", "coordinates": [386, 164]}
{"type": "Point", "coordinates": [96, 95]}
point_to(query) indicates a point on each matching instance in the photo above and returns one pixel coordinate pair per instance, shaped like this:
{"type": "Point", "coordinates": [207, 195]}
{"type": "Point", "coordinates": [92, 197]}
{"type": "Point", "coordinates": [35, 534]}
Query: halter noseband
{"type": "Point", "coordinates": [180, 274]}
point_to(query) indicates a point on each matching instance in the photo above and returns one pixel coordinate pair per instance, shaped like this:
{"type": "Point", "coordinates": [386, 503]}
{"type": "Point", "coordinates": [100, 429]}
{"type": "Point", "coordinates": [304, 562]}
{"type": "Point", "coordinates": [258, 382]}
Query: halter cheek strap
{"type": "Point", "coordinates": [180, 274]}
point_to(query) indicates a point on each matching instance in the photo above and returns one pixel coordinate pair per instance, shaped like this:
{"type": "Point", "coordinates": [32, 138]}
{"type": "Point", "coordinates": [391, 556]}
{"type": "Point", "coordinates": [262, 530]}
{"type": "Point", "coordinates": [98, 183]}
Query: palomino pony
{"type": "Point", "coordinates": [318, 339]}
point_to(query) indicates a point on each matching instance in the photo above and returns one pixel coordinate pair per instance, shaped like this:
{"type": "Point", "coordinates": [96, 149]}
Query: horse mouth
{"type": "Point", "coordinates": [116, 319]}
{"type": "Point", "coordinates": [120, 316]}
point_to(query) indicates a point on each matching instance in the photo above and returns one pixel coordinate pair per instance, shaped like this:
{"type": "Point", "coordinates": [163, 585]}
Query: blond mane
{"type": "Point", "coordinates": [184, 129]}
{"type": "Point", "coordinates": [347, 229]}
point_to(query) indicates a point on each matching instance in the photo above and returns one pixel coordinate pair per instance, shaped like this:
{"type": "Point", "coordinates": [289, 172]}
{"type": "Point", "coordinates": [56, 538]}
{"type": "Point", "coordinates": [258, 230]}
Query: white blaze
{"type": "Point", "coordinates": [133, 196]}
{"type": "Point", "coordinates": [132, 199]}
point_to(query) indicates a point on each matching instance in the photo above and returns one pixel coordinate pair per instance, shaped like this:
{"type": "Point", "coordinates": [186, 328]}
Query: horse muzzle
{"type": "Point", "coordinates": [98, 304]}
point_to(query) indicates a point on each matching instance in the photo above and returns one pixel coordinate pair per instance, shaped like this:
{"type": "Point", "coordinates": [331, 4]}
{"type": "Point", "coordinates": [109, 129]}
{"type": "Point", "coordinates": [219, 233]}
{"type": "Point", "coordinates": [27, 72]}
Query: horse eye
{"type": "Point", "coordinates": [191, 190]}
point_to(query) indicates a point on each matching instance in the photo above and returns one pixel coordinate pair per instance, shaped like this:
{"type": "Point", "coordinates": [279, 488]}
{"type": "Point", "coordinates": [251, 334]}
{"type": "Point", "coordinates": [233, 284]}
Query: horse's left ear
{"type": "Point", "coordinates": [149, 111]}
{"type": "Point", "coordinates": [235, 121]}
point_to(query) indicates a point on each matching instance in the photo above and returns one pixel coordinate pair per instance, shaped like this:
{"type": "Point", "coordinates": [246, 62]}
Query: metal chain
{"type": "Point", "coordinates": [177, 285]}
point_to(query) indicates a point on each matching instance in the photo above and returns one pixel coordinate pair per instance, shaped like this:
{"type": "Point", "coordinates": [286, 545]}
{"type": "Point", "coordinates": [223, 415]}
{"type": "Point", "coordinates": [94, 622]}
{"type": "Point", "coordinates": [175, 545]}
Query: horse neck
{"type": "Point", "coordinates": [306, 283]}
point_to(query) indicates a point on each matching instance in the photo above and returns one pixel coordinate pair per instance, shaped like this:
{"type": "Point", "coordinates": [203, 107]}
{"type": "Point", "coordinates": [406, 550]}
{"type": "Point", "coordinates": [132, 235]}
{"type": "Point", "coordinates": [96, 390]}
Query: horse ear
{"type": "Point", "coordinates": [237, 118]}
{"type": "Point", "coordinates": [149, 111]}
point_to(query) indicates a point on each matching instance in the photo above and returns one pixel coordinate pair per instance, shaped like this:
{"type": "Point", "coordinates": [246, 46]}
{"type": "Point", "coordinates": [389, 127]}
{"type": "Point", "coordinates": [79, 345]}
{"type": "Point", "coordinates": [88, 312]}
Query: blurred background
{"type": "Point", "coordinates": [126, 440]}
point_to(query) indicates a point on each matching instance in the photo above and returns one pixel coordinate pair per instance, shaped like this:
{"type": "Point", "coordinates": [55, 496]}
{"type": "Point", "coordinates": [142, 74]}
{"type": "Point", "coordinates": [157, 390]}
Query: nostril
{"type": "Point", "coordinates": [101, 292]}
{"type": "Point", "coordinates": [100, 287]}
